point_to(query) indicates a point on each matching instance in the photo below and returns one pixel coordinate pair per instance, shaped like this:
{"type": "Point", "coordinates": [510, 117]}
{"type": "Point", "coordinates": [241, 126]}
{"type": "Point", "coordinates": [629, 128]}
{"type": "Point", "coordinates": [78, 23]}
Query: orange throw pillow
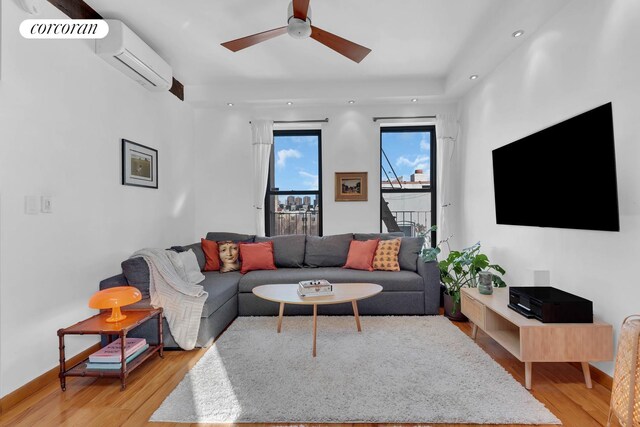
{"type": "Point", "coordinates": [361, 255]}
{"type": "Point", "coordinates": [257, 256]}
{"type": "Point", "coordinates": [210, 249]}
{"type": "Point", "coordinates": [386, 257]}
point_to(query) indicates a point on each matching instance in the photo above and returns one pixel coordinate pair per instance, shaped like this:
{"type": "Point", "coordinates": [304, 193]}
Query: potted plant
{"type": "Point", "coordinates": [460, 269]}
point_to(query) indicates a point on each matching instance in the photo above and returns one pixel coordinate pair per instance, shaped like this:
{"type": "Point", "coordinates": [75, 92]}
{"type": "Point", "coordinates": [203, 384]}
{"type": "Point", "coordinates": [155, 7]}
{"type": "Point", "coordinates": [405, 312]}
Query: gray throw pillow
{"type": "Point", "coordinates": [136, 271]}
{"type": "Point", "coordinates": [382, 236]}
{"type": "Point", "coordinates": [197, 249]}
{"type": "Point", "coordinates": [288, 250]}
{"type": "Point", "coordinates": [410, 248]}
{"type": "Point", "coordinates": [234, 237]}
{"type": "Point", "coordinates": [327, 251]}
{"type": "Point", "coordinates": [186, 265]}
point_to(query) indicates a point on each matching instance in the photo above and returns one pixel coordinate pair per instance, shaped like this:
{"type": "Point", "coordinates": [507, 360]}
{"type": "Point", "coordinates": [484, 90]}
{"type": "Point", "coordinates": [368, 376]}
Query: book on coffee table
{"type": "Point", "coordinates": [318, 287]}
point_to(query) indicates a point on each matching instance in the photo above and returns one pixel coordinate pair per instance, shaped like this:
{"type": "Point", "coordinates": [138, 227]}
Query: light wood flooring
{"type": "Point", "coordinates": [98, 402]}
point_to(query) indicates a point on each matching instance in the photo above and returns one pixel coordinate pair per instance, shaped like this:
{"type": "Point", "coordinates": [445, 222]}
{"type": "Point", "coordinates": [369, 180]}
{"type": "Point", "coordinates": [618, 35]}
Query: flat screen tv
{"type": "Point", "coordinates": [562, 177]}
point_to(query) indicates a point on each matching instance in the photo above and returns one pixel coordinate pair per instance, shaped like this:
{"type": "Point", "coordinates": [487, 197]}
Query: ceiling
{"type": "Point", "coordinates": [421, 41]}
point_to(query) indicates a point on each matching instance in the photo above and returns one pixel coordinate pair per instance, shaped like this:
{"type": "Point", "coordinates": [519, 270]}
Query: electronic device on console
{"type": "Point", "coordinates": [550, 305]}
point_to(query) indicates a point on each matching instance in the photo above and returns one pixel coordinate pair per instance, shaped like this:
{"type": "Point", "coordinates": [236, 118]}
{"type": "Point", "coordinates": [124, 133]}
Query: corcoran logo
{"type": "Point", "coordinates": [64, 29]}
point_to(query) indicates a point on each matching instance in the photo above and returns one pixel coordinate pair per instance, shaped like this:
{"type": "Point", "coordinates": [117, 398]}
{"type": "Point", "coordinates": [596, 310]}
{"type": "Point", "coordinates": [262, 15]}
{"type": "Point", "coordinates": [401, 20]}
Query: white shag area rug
{"type": "Point", "coordinates": [397, 370]}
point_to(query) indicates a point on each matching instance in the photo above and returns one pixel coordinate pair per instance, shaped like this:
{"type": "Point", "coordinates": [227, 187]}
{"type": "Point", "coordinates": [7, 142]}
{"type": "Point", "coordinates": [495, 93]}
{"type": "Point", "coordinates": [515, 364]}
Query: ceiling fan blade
{"type": "Point", "coordinates": [351, 50]}
{"type": "Point", "coordinates": [300, 9]}
{"type": "Point", "coordinates": [244, 42]}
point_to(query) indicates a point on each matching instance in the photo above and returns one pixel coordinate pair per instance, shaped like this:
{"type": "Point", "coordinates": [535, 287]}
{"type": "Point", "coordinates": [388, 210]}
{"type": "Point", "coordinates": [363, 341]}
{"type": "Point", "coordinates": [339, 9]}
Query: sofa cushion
{"type": "Point", "coordinates": [288, 249]}
{"type": "Point", "coordinates": [186, 265]}
{"type": "Point", "coordinates": [386, 256]}
{"type": "Point", "coordinates": [381, 236]}
{"type": "Point", "coordinates": [211, 255]}
{"type": "Point", "coordinates": [389, 280]}
{"type": "Point", "coordinates": [410, 248]}
{"type": "Point", "coordinates": [221, 287]}
{"type": "Point", "coordinates": [234, 237]}
{"type": "Point", "coordinates": [361, 254]}
{"type": "Point", "coordinates": [327, 251]}
{"type": "Point", "coordinates": [257, 256]}
{"type": "Point", "coordinates": [136, 272]}
{"type": "Point", "coordinates": [229, 256]}
{"type": "Point", "coordinates": [197, 249]}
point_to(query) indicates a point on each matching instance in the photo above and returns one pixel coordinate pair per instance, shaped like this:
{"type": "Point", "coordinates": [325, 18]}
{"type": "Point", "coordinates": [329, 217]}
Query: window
{"type": "Point", "coordinates": [294, 191]}
{"type": "Point", "coordinates": [408, 178]}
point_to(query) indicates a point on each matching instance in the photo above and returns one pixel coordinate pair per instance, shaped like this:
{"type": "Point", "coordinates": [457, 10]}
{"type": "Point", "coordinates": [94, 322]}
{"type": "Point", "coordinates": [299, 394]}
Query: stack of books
{"type": "Point", "coordinates": [314, 288]}
{"type": "Point", "coordinates": [110, 356]}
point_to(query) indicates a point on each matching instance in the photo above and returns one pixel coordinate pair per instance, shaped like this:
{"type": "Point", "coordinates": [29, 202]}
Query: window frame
{"type": "Point", "coordinates": [433, 171]}
{"type": "Point", "coordinates": [271, 179]}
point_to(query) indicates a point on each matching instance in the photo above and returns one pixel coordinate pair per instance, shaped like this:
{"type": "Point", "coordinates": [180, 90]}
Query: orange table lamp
{"type": "Point", "coordinates": [114, 298]}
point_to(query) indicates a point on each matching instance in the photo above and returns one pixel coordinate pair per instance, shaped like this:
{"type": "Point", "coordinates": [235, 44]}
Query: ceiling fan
{"type": "Point", "coordinates": [299, 27]}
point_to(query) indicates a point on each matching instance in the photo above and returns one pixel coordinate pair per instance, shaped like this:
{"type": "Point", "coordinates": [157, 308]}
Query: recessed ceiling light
{"type": "Point", "coordinates": [414, 100]}
{"type": "Point", "coordinates": [289, 103]}
{"type": "Point", "coordinates": [352, 102]}
{"type": "Point", "coordinates": [518, 33]}
{"type": "Point", "coordinates": [230, 104]}
{"type": "Point", "coordinates": [473, 77]}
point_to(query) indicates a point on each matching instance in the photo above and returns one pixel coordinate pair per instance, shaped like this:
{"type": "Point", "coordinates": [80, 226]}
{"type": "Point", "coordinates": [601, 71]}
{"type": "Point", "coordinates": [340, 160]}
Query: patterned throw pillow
{"type": "Point", "coordinates": [229, 256]}
{"type": "Point", "coordinates": [386, 257]}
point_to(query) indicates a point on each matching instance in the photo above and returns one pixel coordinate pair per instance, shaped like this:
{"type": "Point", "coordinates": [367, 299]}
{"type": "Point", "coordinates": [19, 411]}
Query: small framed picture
{"type": "Point", "coordinates": [139, 165]}
{"type": "Point", "coordinates": [351, 186]}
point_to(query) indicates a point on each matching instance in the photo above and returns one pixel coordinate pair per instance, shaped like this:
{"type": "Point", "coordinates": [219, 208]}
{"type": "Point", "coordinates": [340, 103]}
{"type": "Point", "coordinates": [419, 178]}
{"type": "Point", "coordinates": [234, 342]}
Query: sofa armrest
{"type": "Point", "coordinates": [431, 275]}
{"type": "Point", "coordinates": [114, 281]}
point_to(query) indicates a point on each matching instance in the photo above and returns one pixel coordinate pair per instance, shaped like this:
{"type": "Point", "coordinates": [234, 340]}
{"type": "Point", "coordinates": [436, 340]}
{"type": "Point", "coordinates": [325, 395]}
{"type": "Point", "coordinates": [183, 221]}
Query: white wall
{"type": "Point", "coordinates": [350, 142]}
{"type": "Point", "coordinates": [585, 56]}
{"type": "Point", "coordinates": [63, 112]}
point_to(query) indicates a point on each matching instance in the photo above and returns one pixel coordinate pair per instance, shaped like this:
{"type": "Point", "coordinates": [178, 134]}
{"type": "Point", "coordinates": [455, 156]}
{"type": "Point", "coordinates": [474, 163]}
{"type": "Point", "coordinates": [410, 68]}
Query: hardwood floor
{"type": "Point", "coordinates": [98, 402]}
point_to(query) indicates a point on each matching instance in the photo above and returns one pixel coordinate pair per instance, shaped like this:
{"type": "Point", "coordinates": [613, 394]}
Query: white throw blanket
{"type": "Point", "coordinates": [182, 302]}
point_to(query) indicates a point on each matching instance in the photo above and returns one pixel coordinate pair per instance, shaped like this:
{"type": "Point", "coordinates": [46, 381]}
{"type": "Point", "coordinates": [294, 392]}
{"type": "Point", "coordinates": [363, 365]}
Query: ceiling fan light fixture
{"type": "Point", "coordinates": [299, 29]}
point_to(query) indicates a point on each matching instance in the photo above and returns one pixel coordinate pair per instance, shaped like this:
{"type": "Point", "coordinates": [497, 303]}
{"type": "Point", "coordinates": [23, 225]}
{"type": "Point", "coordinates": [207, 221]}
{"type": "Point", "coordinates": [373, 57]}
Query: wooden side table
{"type": "Point", "coordinates": [530, 340]}
{"type": "Point", "coordinates": [98, 325]}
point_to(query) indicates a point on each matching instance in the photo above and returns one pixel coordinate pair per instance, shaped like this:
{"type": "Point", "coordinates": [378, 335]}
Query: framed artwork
{"type": "Point", "coordinates": [351, 187]}
{"type": "Point", "coordinates": [139, 165]}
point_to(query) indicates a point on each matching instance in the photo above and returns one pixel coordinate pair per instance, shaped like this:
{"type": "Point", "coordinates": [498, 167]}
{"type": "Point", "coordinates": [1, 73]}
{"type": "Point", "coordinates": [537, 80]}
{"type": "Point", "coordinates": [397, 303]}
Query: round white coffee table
{"type": "Point", "coordinates": [342, 292]}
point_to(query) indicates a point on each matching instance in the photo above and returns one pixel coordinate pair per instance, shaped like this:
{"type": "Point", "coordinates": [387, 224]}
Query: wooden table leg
{"type": "Point", "coordinates": [315, 327]}
{"type": "Point", "coordinates": [587, 374]}
{"type": "Point", "coordinates": [123, 361]}
{"type": "Point", "coordinates": [160, 334]}
{"type": "Point", "coordinates": [63, 382]}
{"type": "Point", "coordinates": [474, 331]}
{"type": "Point", "coordinates": [356, 315]}
{"type": "Point", "coordinates": [528, 367]}
{"type": "Point", "coordinates": [280, 317]}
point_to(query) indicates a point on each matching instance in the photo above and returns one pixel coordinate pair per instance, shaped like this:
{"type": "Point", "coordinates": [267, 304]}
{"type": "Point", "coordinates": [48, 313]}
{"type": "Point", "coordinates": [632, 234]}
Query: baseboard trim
{"type": "Point", "coordinates": [596, 375]}
{"type": "Point", "coordinates": [12, 399]}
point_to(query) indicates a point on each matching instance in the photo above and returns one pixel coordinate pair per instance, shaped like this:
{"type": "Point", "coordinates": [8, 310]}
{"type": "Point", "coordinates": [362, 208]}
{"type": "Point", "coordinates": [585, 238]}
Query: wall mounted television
{"type": "Point", "coordinates": [562, 177]}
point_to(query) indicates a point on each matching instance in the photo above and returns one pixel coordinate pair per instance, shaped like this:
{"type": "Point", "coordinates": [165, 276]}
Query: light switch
{"type": "Point", "coordinates": [31, 205]}
{"type": "Point", "coordinates": [45, 204]}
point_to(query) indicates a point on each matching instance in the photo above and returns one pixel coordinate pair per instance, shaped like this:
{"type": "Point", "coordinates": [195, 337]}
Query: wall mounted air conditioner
{"type": "Point", "coordinates": [123, 49]}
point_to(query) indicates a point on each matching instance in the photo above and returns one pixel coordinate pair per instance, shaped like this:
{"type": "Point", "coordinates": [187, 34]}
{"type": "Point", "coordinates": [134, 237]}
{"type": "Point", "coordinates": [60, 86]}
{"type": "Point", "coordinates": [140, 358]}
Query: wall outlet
{"type": "Point", "coordinates": [45, 204]}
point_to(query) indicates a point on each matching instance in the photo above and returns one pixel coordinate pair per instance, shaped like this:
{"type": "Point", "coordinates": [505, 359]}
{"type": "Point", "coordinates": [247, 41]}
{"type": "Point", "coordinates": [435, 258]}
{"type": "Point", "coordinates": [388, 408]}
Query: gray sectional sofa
{"type": "Point", "coordinates": [415, 290]}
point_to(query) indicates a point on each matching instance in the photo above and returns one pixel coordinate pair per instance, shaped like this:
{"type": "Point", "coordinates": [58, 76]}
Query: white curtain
{"type": "Point", "coordinates": [447, 129]}
{"type": "Point", "coordinates": [261, 140]}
